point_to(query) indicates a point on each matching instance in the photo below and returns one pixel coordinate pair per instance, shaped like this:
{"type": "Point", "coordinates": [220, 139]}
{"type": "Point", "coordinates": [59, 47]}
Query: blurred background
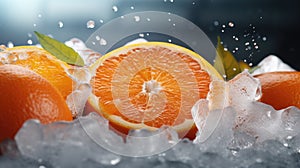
{"type": "Point", "coordinates": [251, 30]}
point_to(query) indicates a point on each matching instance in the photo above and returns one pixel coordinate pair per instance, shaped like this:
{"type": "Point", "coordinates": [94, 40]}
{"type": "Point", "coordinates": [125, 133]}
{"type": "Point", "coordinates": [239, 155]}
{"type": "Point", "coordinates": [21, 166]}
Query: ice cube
{"type": "Point", "coordinates": [62, 142]}
{"type": "Point", "coordinates": [77, 99]}
{"type": "Point", "coordinates": [270, 64]}
{"type": "Point", "coordinates": [221, 137]}
{"type": "Point", "coordinates": [146, 143]}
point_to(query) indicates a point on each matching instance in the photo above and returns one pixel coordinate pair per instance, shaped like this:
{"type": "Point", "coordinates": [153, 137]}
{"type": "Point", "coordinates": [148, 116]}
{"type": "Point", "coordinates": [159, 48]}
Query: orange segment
{"type": "Point", "coordinates": [149, 85]}
{"type": "Point", "coordinates": [43, 63]}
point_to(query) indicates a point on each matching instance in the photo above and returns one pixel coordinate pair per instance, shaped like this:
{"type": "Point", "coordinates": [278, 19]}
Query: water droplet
{"type": "Point", "coordinates": [169, 40]}
{"type": "Point", "coordinates": [236, 39]}
{"type": "Point", "coordinates": [233, 51]}
{"type": "Point", "coordinates": [174, 24]}
{"type": "Point", "coordinates": [225, 49]}
{"type": "Point", "coordinates": [250, 64]}
{"type": "Point", "coordinates": [236, 48]}
{"type": "Point", "coordinates": [165, 0]}
{"type": "Point", "coordinates": [39, 15]}
{"type": "Point", "coordinates": [147, 34]}
{"type": "Point", "coordinates": [169, 20]}
{"type": "Point", "coordinates": [122, 17]}
{"type": "Point", "coordinates": [93, 43]}
{"type": "Point", "coordinates": [231, 24]}
{"type": "Point", "coordinates": [137, 18]}
{"type": "Point", "coordinates": [34, 24]}
{"type": "Point", "coordinates": [90, 24]}
{"type": "Point", "coordinates": [141, 35]}
{"type": "Point", "coordinates": [261, 17]}
{"type": "Point", "coordinates": [115, 8]}
{"type": "Point", "coordinates": [223, 26]}
{"type": "Point", "coordinates": [29, 42]}
{"type": "Point", "coordinates": [101, 21]}
{"type": "Point", "coordinates": [247, 43]}
{"type": "Point", "coordinates": [29, 35]}
{"type": "Point", "coordinates": [264, 38]}
{"type": "Point", "coordinates": [224, 76]}
{"type": "Point", "coordinates": [98, 38]}
{"type": "Point", "coordinates": [171, 1]}
{"type": "Point", "coordinates": [216, 23]}
{"type": "Point", "coordinates": [256, 47]}
{"type": "Point", "coordinates": [10, 44]}
{"type": "Point", "coordinates": [222, 31]}
{"type": "Point", "coordinates": [102, 41]}
{"type": "Point", "coordinates": [254, 43]}
{"type": "Point", "coordinates": [148, 19]}
{"type": "Point", "coordinates": [193, 3]}
{"type": "Point", "coordinates": [132, 7]}
{"type": "Point", "coordinates": [234, 69]}
{"type": "Point", "coordinates": [60, 24]}
{"type": "Point", "coordinates": [245, 60]}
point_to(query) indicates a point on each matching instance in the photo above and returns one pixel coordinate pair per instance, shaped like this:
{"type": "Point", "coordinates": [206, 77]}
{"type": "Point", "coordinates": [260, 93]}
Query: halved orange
{"type": "Point", "coordinates": [148, 85]}
{"type": "Point", "coordinates": [43, 63]}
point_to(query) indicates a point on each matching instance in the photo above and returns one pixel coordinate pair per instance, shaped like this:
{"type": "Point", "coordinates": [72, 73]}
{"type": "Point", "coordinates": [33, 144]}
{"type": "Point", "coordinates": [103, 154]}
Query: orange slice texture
{"type": "Point", "coordinates": [43, 63]}
{"type": "Point", "coordinates": [149, 85]}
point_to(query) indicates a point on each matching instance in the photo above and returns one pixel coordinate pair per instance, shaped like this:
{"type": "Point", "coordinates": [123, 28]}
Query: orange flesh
{"type": "Point", "coordinates": [43, 63]}
{"type": "Point", "coordinates": [152, 90]}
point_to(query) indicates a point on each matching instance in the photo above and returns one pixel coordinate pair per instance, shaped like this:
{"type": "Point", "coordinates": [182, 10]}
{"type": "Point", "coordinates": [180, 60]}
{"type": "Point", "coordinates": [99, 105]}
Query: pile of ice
{"type": "Point", "coordinates": [269, 139]}
{"type": "Point", "coordinates": [234, 131]}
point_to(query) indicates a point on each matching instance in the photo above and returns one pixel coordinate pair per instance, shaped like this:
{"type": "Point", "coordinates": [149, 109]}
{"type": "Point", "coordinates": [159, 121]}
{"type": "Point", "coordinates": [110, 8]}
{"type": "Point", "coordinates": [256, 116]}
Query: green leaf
{"type": "Point", "coordinates": [225, 63]}
{"type": "Point", "coordinates": [59, 50]}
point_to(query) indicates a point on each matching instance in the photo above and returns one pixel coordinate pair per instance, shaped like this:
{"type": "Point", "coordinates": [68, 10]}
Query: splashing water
{"type": "Point", "coordinates": [115, 8]}
{"type": "Point", "coordinates": [90, 24]}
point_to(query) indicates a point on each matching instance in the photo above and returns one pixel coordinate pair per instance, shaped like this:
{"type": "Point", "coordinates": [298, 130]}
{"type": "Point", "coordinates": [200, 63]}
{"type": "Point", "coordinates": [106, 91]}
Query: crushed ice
{"type": "Point", "coordinates": [230, 135]}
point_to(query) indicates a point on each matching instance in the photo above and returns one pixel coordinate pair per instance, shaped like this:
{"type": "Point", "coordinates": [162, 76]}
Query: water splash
{"type": "Point", "coordinates": [60, 24]}
{"type": "Point", "coordinates": [10, 44]}
{"type": "Point", "coordinates": [115, 8]}
{"type": "Point", "coordinates": [29, 41]}
{"type": "Point", "coordinates": [137, 18]}
{"type": "Point", "coordinates": [90, 24]}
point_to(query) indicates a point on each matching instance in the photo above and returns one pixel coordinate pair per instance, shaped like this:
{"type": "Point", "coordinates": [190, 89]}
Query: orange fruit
{"type": "Point", "coordinates": [27, 95]}
{"type": "Point", "coordinates": [280, 89]}
{"type": "Point", "coordinates": [148, 85]}
{"type": "Point", "coordinates": [43, 63]}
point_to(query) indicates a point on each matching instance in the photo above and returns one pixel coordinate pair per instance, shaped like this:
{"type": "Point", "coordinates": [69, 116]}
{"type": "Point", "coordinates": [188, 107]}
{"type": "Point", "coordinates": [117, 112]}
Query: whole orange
{"type": "Point", "coordinates": [26, 95]}
{"type": "Point", "coordinates": [280, 89]}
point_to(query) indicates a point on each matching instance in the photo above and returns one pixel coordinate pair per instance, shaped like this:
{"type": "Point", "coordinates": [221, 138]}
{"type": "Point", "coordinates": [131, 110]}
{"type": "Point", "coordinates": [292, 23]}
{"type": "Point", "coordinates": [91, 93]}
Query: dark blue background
{"type": "Point", "coordinates": [277, 20]}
